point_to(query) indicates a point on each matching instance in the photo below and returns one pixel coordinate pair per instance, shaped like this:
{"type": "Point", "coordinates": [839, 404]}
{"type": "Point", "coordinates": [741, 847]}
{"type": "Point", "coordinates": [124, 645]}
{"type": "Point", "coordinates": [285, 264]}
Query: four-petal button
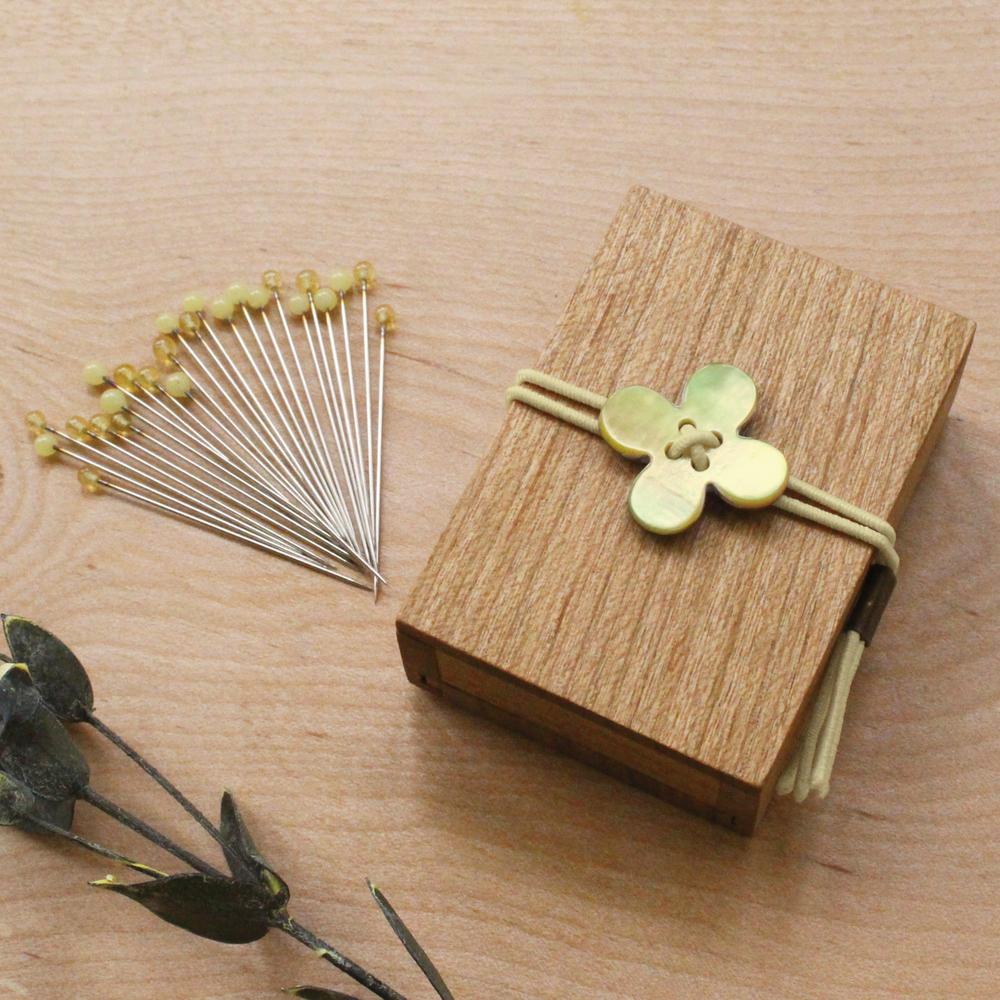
{"type": "Point", "coordinates": [691, 447]}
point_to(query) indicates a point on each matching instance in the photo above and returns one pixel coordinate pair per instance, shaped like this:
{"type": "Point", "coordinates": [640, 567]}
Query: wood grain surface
{"type": "Point", "coordinates": [476, 152]}
{"type": "Point", "coordinates": [692, 659]}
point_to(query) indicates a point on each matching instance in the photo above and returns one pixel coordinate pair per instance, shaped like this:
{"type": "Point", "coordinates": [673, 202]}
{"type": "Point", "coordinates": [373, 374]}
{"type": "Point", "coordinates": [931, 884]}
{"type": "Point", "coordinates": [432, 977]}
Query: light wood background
{"type": "Point", "coordinates": [476, 152]}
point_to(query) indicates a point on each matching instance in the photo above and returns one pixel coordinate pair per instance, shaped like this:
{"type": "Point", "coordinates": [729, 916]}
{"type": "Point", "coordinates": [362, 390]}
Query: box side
{"type": "Point", "coordinates": [569, 729]}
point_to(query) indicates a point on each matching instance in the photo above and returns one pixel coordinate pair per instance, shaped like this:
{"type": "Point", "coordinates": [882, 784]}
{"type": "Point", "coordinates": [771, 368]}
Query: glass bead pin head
{"type": "Point", "coordinates": [146, 379]}
{"type": "Point", "coordinates": [78, 428]}
{"type": "Point", "coordinates": [124, 376]}
{"type": "Point", "coordinates": [238, 293]}
{"type": "Point", "coordinates": [121, 423]}
{"type": "Point", "coordinates": [167, 322]}
{"type": "Point", "coordinates": [165, 348]}
{"type": "Point", "coordinates": [385, 318]}
{"type": "Point", "coordinates": [46, 444]}
{"type": "Point", "coordinates": [307, 282]}
{"type": "Point", "coordinates": [222, 307]}
{"type": "Point", "coordinates": [113, 400]}
{"type": "Point", "coordinates": [258, 298]}
{"type": "Point", "coordinates": [342, 281]}
{"type": "Point", "coordinates": [95, 374]}
{"type": "Point", "coordinates": [176, 384]}
{"type": "Point", "coordinates": [364, 275]}
{"type": "Point", "coordinates": [188, 323]}
{"type": "Point", "coordinates": [36, 421]}
{"type": "Point", "coordinates": [99, 426]}
{"type": "Point", "coordinates": [325, 299]}
{"type": "Point", "coordinates": [89, 479]}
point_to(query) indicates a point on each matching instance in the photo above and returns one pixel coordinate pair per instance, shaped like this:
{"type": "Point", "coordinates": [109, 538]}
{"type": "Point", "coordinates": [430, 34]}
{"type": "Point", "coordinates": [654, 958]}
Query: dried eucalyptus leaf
{"type": "Point", "coordinates": [239, 841]}
{"type": "Point", "coordinates": [16, 801]}
{"type": "Point", "coordinates": [58, 813]}
{"type": "Point", "coordinates": [58, 674]}
{"type": "Point", "coordinates": [19, 697]}
{"type": "Point", "coordinates": [410, 943]}
{"type": "Point", "coordinates": [242, 855]}
{"type": "Point", "coordinates": [19, 805]}
{"type": "Point", "coordinates": [39, 753]}
{"type": "Point", "coordinates": [316, 993]}
{"type": "Point", "coordinates": [220, 909]}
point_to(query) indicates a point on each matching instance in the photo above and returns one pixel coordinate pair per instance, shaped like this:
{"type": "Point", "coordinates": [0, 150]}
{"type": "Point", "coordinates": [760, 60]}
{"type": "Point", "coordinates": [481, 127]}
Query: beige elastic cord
{"type": "Point", "coordinates": [563, 411]}
{"type": "Point", "coordinates": [560, 388]}
{"type": "Point", "coordinates": [811, 765]}
{"type": "Point", "coordinates": [843, 517]}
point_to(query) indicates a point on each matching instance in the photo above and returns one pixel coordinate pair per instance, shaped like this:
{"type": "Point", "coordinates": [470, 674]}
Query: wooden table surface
{"type": "Point", "coordinates": [477, 153]}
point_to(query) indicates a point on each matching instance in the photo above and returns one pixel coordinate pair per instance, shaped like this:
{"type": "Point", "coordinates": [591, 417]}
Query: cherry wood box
{"type": "Point", "coordinates": [684, 664]}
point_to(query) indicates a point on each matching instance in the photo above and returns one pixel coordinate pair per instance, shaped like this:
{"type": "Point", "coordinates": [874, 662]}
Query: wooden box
{"type": "Point", "coordinates": [684, 664]}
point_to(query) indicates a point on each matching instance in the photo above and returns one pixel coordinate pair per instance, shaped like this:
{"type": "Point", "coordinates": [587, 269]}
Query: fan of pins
{"type": "Point", "coordinates": [261, 420]}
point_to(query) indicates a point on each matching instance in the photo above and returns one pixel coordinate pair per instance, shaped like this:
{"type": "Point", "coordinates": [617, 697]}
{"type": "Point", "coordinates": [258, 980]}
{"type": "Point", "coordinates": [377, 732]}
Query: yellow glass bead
{"type": "Point", "coordinates": [188, 323]}
{"type": "Point", "coordinates": [113, 401]}
{"type": "Point", "coordinates": [222, 308]}
{"type": "Point", "coordinates": [94, 373]}
{"type": "Point", "coordinates": [176, 384]}
{"type": "Point", "coordinates": [45, 445]}
{"type": "Point", "coordinates": [237, 293]}
{"type": "Point", "coordinates": [100, 426]}
{"type": "Point", "coordinates": [271, 280]}
{"type": "Point", "coordinates": [121, 423]}
{"type": "Point", "coordinates": [165, 348]}
{"type": "Point", "coordinates": [259, 298]}
{"type": "Point", "coordinates": [193, 303]}
{"type": "Point", "coordinates": [124, 376]}
{"type": "Point", "coordinates": [342, 280]}
{"type": "Point", "coordinates": [364, 274]}
{"type": "Point", "coordinates": [325, 299]}
{"type": "Point", "coordinates": [166, 322]}
{"type": "Point", "coordinates": [89, 479]}
{"type": "Point", "coordinates": [298, 304]}
{"type": "Point", "coordinates": [385, 318]}
{"type": "Point", "coordinates": [307, 281]}
{"type": "Point", "coordinates": [77, 428]}
{"type": "Point", "coordinates": [146, 379]}
{"type": "Point", "coordinates": [36, 421]}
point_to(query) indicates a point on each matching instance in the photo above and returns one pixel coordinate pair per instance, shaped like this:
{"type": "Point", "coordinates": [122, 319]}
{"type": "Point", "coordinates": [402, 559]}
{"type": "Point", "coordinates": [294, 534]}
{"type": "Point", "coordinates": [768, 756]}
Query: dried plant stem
{"type": "Point", "coordinates": [342, 962]}
{"type": "Point", "coordinates": [145, 830]}
{"type": "Point", "coordinates": [89, 845]}
{"type": "Point", "coordinates": [168, 786]}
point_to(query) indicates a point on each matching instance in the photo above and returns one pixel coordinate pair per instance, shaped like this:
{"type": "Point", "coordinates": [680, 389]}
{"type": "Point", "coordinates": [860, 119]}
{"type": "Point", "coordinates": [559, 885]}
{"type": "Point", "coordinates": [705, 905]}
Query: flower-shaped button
{"type": "Point", "coordinates": [691, 447]}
